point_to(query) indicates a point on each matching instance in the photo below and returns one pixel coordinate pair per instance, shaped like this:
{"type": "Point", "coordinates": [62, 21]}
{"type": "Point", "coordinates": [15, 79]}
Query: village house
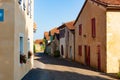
{"type": "Point", "coordinates": [38, 45]}
{"type": "Point", "coordinates": [54, 43]}
{"type": "Point", "coordinates": [67, 47]}
{"type": "Point", "coordinates": [51, 46]}
{"type": "Point", "coordinates": [46, 37]}
{"type": "Point", "coordinates": [16, 39]}
{"type": "Point", "coordinates": [97, 35]}
{"type": "Point", "coordinates": [47, 41]}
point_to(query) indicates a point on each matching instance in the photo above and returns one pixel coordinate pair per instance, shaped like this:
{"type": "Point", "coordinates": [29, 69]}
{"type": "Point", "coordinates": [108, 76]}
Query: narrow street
{"type": "Point", "coordinates": [50, 68]}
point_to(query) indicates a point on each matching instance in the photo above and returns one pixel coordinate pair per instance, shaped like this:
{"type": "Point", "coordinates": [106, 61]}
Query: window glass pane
{"type": "Point", "coordinates": [21, 45]}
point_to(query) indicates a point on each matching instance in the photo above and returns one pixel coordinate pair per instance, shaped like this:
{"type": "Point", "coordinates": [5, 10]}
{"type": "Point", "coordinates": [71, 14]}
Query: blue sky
{"type": "Point", "coordinates": [52, 13]}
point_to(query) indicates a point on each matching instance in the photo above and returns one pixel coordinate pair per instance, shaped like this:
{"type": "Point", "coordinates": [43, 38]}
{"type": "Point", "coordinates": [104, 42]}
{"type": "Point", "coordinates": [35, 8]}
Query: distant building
{"type": "Point", "coordinates": [47, 41]}
{"type": "Point", "coordinates": [52, 41]}
{"type": "Point", "coordinates": [97, 35]}
{"type": "Point", "coordinates": [16, 39]}
{"type": "Point", "coordinates": [46, 37]}
{"type": "Point", "coordinates": [67, 40]}
{"type": "Point", "coordinates": [39, 46]}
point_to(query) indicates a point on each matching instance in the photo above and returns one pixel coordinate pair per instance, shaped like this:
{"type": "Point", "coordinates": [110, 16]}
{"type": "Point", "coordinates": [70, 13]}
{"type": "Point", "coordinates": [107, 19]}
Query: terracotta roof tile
{"type": "Point", "coordinates": [46, 35]}
{"type": "Point", "coordinates": [54, 30]}
{"type": "Point", "coordinates": [70, 25]}
{"type": "Point", "coordinates": [38, 41]}
{"type": "Point", "coordinates": [108, 2]}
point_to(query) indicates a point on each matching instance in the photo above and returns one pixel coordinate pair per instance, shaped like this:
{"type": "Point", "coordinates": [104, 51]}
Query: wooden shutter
{"type": "Point", "coordinates": [93, 22]}
{"type": "Point", "coordinates": [80, 50]}
{"type": "Point", "coordinates": [80, 29]}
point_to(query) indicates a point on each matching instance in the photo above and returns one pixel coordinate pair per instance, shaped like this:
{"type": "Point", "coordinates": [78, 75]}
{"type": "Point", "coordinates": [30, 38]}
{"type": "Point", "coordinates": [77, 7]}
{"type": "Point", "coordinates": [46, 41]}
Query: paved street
{"type": "Point", "coordinates": [50, 68]}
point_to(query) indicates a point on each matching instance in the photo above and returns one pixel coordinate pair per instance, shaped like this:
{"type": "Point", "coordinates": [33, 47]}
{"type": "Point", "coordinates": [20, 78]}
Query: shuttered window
{"type": "Point", "coordinates": [80, 29]}
{"type": "Point", "coordinates": [93, 24]}
{"type": "Point", "coordinates": [80, 50]}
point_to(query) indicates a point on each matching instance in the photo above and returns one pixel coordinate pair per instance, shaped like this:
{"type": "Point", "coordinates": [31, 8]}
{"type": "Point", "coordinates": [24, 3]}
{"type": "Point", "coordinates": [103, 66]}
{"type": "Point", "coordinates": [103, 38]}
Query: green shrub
{"type": "Point", "coordinates": [46, 53]}
{"type": "Point", "coordinates": [57, 53]}
{"type": "Point", "coordinates": [34, 48]}
{"type": "Point", "coordinates": [118, 75]}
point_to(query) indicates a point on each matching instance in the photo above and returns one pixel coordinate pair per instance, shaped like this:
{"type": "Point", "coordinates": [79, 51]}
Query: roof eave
{"type": "Point", "coordinates": [62, 26]}
{"type": "Point", "coordinates": [113, 7]}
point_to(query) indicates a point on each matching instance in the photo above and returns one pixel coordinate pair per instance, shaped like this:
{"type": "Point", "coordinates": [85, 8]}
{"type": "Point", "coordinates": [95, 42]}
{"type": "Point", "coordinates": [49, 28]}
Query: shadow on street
{"type": "Point", "coordinates": [50, 68]}
{"type": "Point", "coordinates": [58, 75]}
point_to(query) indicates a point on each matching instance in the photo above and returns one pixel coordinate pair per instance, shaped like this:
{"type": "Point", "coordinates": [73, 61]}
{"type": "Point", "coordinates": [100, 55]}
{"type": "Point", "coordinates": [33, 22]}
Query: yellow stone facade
{"type": "Point", "coordinates": [16, 22]}
{"type": "Point", "coordinates": [107, 36]}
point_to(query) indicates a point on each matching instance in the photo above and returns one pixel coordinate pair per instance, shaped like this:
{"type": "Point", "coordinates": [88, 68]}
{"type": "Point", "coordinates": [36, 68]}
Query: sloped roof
{"type": "Point", "coordinates": [105, 3]}
{"type": "Point", "coordinates": [46, 35]}
{"type": "Point", "coordinates": [54, 30]}
{"type": "Point", "coordinates": [108, 2]}
{"type": "Point", "coordinates": [69, 25]}
{"type": "Point", "coordinates": [38, 41]}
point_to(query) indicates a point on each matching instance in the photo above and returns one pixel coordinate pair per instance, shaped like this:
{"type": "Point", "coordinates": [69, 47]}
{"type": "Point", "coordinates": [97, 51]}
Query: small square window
{"type": "Point", "coordinates": [1, 15]}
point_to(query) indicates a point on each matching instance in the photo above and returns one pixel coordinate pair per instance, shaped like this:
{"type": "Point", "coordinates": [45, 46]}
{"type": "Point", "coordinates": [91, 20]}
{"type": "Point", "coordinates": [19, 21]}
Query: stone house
{"type": "Point", "coordinates": [16, 39]}
{"type": "Point", "coordinates": [97, 35]}
{"type": "Point", "coordinates": [47, 41]}
{"type": "Point", "coordinates": [67, 47]}
{"type": "Point", "coordinates": [53, 40]}
{"type": "Point", "coordinates": [39, 46]}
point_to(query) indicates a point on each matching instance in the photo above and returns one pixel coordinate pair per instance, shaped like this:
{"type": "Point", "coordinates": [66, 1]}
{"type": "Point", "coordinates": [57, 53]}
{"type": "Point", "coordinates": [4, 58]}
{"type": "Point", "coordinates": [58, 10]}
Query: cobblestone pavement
{"type": "Point", "coordinates": [50, 68]}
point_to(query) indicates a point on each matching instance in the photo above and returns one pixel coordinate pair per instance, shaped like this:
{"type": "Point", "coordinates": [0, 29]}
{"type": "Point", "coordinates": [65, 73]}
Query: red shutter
{"type": "Point", "coordinates": [80, 29]}
{"type": "Point", "coordinates": [80, 50]}
{"type": "Point", "coordinates": [89, 55]}
{"type": "Point", "coordinates": [93, 22]}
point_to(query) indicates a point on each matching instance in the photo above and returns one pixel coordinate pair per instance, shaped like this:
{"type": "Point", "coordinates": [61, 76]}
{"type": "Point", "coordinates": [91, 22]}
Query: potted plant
{"type": "Point", "coordinates": [29, 54]}
{"type": "Point", "coordinates": [23, 58]}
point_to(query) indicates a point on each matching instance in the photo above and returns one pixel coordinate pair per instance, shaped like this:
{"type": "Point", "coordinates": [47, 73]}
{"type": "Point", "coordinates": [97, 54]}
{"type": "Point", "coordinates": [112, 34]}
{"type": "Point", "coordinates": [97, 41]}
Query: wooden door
{"type": "Point", "coordinates": [62, 51]}
{"type": "Point", "coordinates": [85, 50]}
{"type": "Point", "coordinates": [87, 55]}
{"type": "Point", "coordinates": [99, 57]}
{"type": "Point", "coordinates": [70, 52]}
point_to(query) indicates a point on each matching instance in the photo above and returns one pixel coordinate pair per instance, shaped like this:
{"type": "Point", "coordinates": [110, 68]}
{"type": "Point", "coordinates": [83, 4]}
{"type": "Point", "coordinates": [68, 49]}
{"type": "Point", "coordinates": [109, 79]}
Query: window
{"type": "Point", "coordinates": [24, 6]}
{"type": "Point", "coordinates": [29, 8]}
{"type": "Point", "coordinates": [80, 29]}
{"type": "Point", "coordinates": [20, 1]}
{"type": "Point", "coordinates": [62, 33]}
{"type": "Point", "coordinates": [1, 15]}
{"type": "Point", "coordinates": [93, 22]}
{"type": "Point", "coordinates": [28, 44]}
{"type": "Point", "coordinates": [21, 44]}
{"type": "Point", "coordinates": [80, 50]}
